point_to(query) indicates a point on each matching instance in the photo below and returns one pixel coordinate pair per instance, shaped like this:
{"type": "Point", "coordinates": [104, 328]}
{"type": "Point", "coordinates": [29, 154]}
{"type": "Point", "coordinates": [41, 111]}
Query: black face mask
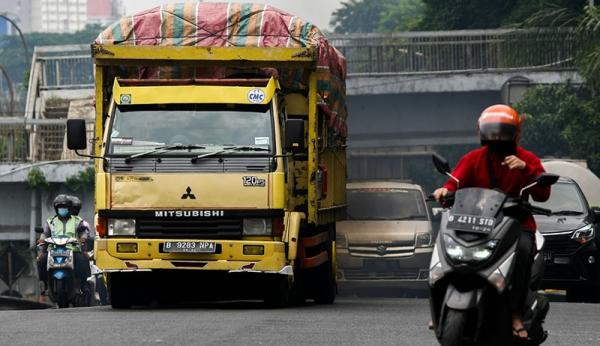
{"type": "Point", "coordinates": [502, 148]}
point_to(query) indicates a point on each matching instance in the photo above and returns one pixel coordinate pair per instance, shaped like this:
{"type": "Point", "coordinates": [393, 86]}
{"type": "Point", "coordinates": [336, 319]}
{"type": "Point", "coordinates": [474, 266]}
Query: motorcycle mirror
{"type": "Point", "coordinates": [440, 163]}
{"type": "Point", "coordinates": [546, 179]}
{"type": "Point", "coordinates": [38, 229]}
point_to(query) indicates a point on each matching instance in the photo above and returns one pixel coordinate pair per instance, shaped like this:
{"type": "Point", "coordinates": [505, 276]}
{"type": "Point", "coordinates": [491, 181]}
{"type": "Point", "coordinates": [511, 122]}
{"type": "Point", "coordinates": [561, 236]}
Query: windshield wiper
{"type": "Point", "coordinates": [226, 150]}
{"type": "Point", "coordinates": [162, 149]}
{"type": "Point", "coordinates": [567, 212]}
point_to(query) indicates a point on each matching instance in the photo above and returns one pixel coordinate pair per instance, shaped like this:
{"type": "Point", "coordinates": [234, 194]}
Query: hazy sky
{"type": "Point", "coordinates": [317, 12]}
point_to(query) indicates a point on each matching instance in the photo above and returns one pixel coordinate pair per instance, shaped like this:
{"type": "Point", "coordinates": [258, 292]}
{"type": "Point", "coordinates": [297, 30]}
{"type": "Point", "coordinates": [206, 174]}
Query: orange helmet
{"type": "Point", "coordinates": [499, 123]}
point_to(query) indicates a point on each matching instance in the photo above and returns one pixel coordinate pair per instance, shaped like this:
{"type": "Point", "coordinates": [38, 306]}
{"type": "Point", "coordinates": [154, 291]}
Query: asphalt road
{"type": "Point", "coordinates": [352, 320]}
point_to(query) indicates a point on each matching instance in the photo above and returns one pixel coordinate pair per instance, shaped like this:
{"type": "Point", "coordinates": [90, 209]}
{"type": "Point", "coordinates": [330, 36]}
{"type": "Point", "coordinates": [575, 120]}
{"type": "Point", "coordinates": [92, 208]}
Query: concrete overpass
{"type": "Point", "coordinates": [410, 93]}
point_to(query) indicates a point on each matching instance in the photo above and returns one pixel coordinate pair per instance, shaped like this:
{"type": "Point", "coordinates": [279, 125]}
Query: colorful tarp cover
{"type": "Point", "coordinates": [236, 25]}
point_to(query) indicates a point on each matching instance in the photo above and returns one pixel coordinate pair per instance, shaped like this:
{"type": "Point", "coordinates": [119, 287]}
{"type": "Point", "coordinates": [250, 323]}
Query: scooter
{"type": "Point", "coordinates": [472, 263]}
{"type": "Point", "coordinates": [64, 287]}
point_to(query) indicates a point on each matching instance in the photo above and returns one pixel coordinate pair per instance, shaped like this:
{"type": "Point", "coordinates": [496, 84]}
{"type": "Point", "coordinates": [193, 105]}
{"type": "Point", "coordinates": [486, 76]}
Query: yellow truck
{"type": "Point", "coordinates": [220, 187]}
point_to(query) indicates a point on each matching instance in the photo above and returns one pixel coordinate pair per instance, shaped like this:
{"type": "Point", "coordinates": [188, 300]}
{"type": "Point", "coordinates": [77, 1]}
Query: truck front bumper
{"type": "Point", "coordinates": [229, 257]}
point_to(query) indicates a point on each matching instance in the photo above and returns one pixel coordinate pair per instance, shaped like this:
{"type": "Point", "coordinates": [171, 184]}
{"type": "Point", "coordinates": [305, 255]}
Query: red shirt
{"type": "Point", "coordinates": [472, 171]}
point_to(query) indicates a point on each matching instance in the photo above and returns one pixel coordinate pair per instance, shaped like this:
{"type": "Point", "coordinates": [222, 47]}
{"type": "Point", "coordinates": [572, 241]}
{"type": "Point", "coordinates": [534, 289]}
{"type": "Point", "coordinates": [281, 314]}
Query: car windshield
{"type": "Point", "coordinates": [564, 198]}
{"type": "Point", "coordinates": [386, 204]}
{"type": "Point", "coordinates": [190, 128]}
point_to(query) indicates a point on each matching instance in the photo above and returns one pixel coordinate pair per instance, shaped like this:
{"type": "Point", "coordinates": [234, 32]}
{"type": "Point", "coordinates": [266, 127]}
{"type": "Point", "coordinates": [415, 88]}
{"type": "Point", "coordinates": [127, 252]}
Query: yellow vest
{"type": "Point", "coordinates": [60, 228]}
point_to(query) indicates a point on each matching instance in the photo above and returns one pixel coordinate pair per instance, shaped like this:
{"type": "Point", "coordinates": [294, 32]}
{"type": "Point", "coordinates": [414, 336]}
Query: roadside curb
{"type": "Point", "coordinates": [12, 303]}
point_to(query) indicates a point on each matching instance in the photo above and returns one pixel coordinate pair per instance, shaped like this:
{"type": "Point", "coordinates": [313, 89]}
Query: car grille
{"type": "Point", "coordinates": [561, 244]}
{"type": "Point", "coordinates": [191, 229]}
{"type": "Point", "coordinates": [560, 272]}
{"type": "Point", "coordinates": [395, 274]}
{"type": "Point", "coordinates": [393, 249]}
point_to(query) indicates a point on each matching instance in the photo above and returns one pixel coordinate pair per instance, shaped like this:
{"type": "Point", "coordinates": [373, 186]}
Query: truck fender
{"type": "Point", "coordinates": [462, 300]}
{"type": "Point", "coordinates": [292, 221]}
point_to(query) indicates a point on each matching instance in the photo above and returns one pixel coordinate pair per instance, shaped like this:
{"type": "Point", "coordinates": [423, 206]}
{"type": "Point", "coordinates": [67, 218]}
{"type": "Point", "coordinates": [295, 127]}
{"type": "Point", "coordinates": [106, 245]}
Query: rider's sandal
{"type": "Point", "coordinates": [517, 335]}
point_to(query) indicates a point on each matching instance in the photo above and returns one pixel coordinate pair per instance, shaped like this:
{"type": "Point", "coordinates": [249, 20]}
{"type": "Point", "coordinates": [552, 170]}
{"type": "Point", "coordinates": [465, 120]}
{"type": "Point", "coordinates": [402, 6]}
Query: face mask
{"type": "Point", "coordinates": [502, 148]}
{"type": "Point", "coordinates": [63, 212]}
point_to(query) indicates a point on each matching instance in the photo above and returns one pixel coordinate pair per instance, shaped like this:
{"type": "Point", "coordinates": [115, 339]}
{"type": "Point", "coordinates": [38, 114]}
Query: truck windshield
{"type": "Point", "coordinates": [565, 199]}
{"type": "Point", "coordinates": [190, 128]}
{"type": "Point", "coordinates": [385, 204]}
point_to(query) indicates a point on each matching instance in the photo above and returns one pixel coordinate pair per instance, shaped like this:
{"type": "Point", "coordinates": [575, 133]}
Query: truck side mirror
{"type": "Point", "coordinates": [440, 163]}
{"type": "Point", "coordinates": [294, 135]}
{"type": "Point", "coordinates": [76, 134]}
{"type": "Point", "coordinates": [546, 179]}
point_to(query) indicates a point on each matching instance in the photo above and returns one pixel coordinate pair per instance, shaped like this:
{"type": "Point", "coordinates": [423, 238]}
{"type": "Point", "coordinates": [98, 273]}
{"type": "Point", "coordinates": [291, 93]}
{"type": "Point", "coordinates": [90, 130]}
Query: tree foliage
{"type": "Point", "coordinates": [562, 121]}
{"type": "Point", "coordinates": [477, 14]}
{"type": "Point", "coordinates": [366, 16]}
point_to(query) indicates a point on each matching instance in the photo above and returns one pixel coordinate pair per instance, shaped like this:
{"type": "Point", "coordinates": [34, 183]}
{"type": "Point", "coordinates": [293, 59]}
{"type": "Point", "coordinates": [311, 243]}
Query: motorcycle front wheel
{"type": "Point", "coordinates": [60, 288]}
{"type": "Point", "coordinates": [454, 328]}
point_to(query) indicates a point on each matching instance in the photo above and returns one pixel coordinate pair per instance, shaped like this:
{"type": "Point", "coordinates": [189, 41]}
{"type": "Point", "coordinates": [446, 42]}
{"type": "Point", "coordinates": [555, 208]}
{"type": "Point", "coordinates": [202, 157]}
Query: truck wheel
{"type": "Point", "coordinates": [454, 327]}
{"type": "Point", "coordinates": [120, 297]}
{"type": "Point", "coordinates": [278, 296]}
{"type": "Point", "coordinates": [326, 280]}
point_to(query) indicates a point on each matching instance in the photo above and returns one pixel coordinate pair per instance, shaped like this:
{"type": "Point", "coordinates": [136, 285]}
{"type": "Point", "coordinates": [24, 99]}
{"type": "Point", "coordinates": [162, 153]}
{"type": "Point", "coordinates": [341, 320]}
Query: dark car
{"type": "Point", "coordinates": [572, 246]}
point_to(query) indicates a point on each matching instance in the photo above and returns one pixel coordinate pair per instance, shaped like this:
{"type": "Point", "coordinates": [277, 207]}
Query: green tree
{"type": "Point", "coordinates": [562, 121]}
{"type": "Point", "coordinates": [366, 16]}
{"type": "Point", "coordinates": [478, 14]}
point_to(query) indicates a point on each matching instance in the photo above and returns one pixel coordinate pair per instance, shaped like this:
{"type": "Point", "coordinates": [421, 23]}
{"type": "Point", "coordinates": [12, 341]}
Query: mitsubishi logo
{"type": "Point", "coordinates": [188, 194]}
{"type": "Point", "coordinates": [381, 249]}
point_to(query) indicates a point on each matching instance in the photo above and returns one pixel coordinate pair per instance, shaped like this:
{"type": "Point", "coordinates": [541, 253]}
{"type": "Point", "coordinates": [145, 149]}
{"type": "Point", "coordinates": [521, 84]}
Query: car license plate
{"type": "Point", "coordinates": [470, 223]}
{"type": "Point", "coordinates": [190, 247]}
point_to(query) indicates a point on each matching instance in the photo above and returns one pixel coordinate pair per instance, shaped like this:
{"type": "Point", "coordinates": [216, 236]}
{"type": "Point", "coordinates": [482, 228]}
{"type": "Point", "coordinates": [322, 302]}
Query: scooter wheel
{"type": "Point", "coordinates": [454, 328]}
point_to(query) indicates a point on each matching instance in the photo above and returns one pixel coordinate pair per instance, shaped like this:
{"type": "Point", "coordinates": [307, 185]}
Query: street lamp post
{"type": "Point", "coordinates": [3, 70]}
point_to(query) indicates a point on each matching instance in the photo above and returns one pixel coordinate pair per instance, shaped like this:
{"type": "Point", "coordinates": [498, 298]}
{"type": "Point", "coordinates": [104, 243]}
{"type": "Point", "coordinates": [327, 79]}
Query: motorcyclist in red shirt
{"type": "Point", "coordinates": [501, 164]}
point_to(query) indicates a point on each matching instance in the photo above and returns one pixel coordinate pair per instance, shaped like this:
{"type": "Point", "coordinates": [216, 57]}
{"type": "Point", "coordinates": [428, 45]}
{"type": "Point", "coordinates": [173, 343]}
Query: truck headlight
{"type": "Point", "coordinates": [257, 227]}
{"type": "Point", "coordinates": [461, 253]}
{"type": "Point", "coordinates": [584, 234]}
{"type": "Point", "coordinates": [423, 239]}
{"type": "Point", "coordinates": [121, 227]}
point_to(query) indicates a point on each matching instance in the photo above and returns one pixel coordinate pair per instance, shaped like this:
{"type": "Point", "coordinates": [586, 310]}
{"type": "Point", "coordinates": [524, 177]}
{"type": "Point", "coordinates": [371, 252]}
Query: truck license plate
{"type": "Point", "coordinates": [190, 247]}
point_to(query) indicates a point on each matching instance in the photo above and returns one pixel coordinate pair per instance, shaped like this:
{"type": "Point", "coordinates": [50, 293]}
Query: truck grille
{"type": "Point", "coordinates": [190, 229]}
{"type": "Point", "coordinates": [561, 244]}
{"type": "Point", "coordinates": [393, 249]}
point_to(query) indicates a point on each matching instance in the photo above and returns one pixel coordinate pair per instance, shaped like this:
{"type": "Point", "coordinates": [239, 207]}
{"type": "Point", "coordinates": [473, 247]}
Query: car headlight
{"type": "Point", "coordinates": [584, 234]}
{"type": "Point", "coordinates": [461, 253]}
{"type": "Point", "coordinates": [340, 241]}
{"type": "Point", "coordinates": [121, 227]}
{"type": "Point", "coordinates": [423, 239]}
{"type": "Point", "coordinates": [257, 227]}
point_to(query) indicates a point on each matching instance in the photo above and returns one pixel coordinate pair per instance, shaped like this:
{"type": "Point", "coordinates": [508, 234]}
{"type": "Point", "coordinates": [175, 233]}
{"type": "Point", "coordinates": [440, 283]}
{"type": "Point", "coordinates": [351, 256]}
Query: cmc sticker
{"type": "Point", "coordinates": [256, 96]}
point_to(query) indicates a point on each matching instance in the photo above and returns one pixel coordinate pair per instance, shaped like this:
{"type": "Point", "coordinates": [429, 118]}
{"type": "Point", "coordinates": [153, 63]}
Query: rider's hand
{"type": "Point", "coordinates": [514, 162]}
{"type": "Point", "coordinates": [440, 193]}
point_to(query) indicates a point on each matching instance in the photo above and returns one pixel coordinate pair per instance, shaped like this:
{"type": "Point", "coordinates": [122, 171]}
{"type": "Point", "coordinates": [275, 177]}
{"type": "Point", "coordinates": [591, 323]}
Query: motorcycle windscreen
{"type": "Point", "coordinates": [475, 210]}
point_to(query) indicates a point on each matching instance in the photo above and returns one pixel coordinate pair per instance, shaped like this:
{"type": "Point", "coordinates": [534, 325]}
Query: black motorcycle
{"type": "Point", "coordinates": [472, 263]}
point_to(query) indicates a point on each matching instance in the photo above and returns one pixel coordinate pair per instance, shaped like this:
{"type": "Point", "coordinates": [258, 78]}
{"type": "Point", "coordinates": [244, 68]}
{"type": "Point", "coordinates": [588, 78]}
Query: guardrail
{"type": "Point", "coordinates": [26, 140]}
{"type": "Point", "coordinates": [456, 51]}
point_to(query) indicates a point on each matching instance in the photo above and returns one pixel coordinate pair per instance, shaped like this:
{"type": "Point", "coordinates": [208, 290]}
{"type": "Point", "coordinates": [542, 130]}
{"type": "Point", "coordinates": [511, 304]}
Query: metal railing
{"type": "Point", "coordinates": [27, 140]}
{"type": "Point", "coordinates": [65, 67]}
{"type": "Point", "coordinates": [455, 51]}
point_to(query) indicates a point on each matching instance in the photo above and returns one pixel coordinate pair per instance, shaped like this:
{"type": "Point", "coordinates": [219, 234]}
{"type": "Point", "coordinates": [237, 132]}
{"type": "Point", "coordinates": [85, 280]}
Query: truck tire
{"type": "Point", "coordinates": [453, 328]}
{"type": "Point", "coordinates": [120, 297]}
{"type": "Point", "coordinates": [326, 279]}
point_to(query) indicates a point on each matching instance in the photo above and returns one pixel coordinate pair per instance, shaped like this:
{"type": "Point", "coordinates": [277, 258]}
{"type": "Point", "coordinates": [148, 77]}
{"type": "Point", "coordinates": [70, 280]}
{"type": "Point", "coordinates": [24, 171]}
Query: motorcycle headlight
{"type": "Point", "coordinates": [423, 239]}
{"type": "Point", "coordinates": [121, 227]}
{"type": "Point", "coordinates": [257, 227]}
{"type": "Point", "coordinates": [461, 253]}
{"type": "Point", "coordinates": [584, 234]}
